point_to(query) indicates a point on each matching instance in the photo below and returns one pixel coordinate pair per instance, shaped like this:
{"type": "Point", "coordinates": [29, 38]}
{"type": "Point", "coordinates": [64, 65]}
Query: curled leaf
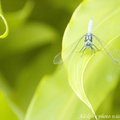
{"type": "Point", "coordinates": [5, 23]}
{"type": "Point", "coordinates": [81, 69]}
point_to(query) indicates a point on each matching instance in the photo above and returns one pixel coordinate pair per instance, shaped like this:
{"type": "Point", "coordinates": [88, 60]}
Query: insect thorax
{"type": "Point", "coordinates": [88, 40]}
{"type": "Point", "coordinates": [88, 37]}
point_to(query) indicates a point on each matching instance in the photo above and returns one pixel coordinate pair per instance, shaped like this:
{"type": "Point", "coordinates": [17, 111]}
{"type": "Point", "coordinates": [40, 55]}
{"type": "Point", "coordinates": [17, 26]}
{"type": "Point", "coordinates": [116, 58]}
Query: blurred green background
{"type": "Point", "coordinates": [36, 28]}
{"type": "Point", "coordinates": [31, 86]}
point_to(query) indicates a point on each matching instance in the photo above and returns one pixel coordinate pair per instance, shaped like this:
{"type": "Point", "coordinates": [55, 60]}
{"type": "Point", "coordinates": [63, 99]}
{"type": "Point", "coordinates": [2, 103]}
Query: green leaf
{"type": "Point", "coordinates": [111, 103]}
{"type": "Point", "coordinates": [97, 73]}
{"type": "Point", "coordinates": [68, 5]}
{"type": "Point", "coordinates": [5, 23]}
{"type": "Point", "coordinates": [18, 18]}
{"type": "Point", "coordinates": [7, 109]}
{"type": "Point", "coordinates": [54, 100]}
{"type": "Point", "coordinates": [28, 37]}
{"type": "Point", "coordinates": [23, 59]}
{"type": "Point", "coordinates": [31, 74]}
{"type": "Point", "coordinates": [23, 55]}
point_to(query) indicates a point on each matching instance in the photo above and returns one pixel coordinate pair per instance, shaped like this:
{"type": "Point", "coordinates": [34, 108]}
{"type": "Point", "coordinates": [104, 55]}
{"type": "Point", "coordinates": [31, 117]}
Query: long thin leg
{"type": "Point", "coordinates": [96, 47]}
{"type": "Point", "coordinates": [78, 42]}
{"type": "Point", "coordinates": [93, 49]}
{"type": "Point", "coordinates": [72, 50]}
{"type": "Point", "coordinates": [83, 51]}
{"type": "Point", "coordinates": [108, 53]}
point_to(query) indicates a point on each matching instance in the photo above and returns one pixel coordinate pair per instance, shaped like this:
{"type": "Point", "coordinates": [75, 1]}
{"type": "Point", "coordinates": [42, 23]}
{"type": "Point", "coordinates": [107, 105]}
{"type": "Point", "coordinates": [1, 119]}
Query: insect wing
{"type": "Point", "coordinates": [113, 53]}
{"type": "Point", "coordinates": [57, 59]}
{"type": "Point", "coordinates": [72, 48]}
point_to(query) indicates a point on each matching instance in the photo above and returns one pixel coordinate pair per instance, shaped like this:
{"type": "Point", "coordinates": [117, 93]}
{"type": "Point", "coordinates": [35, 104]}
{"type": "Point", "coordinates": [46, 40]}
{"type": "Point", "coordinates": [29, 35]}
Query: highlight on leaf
{"type": "Point", "coordinates": [5, 23]}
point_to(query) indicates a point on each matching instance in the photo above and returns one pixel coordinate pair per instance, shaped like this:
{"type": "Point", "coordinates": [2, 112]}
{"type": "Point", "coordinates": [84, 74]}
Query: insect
{"type": "Point", "coordinates": [88, 44]}
{"type": "Point", "coordinates": [88, 39]}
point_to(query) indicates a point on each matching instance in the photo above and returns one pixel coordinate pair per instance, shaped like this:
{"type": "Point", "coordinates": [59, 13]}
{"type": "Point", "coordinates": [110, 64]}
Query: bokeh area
{"type": "Point", "coordinates": [36, 28]}
{"type": "Point", "coordinates": [84, 86]}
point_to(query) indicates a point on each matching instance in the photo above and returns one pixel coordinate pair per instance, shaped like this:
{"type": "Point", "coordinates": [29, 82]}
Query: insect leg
{"type": "Point", "coordinates": [108, 53]}
{"type": "Point", "coordinates": [92, 49]}
{"type": "Point", "coordinates": [83, 51]}
{"type": "Point", "coordinates": [95, 47]}
{"type": "Point", "coordinates": [78, 43]}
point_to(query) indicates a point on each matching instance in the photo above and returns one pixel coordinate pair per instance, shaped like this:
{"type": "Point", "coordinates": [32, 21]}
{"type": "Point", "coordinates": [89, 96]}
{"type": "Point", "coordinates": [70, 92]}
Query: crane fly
{"type": "Point", "coordinates": [87, 44]}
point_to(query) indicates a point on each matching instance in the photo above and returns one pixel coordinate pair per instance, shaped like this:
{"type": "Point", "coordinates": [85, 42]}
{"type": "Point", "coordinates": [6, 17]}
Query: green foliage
{"type": "Point", "coordinates": [93, 70]}
{"type": "Point", "coordinates": [31, 86]}
{"type": "Point", "coordinates": [54, 99]}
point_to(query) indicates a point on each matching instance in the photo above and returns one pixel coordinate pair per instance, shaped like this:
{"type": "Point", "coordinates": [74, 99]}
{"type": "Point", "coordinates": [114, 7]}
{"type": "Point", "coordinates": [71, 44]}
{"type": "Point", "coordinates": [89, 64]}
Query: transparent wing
{"type": "Point", "coordinates": [58, 58]}
{"type": "Point", "coordinates": [114, 54]}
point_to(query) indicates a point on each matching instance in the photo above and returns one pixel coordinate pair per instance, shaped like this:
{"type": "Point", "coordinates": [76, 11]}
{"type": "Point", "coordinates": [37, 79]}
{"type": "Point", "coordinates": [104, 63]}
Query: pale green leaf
{"type": "Point", "coordinates": [54, 100]}
{"type": "Point", "coordinates": [96, 72]}
{"type": "Point", "coordinates": [7, 109]}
